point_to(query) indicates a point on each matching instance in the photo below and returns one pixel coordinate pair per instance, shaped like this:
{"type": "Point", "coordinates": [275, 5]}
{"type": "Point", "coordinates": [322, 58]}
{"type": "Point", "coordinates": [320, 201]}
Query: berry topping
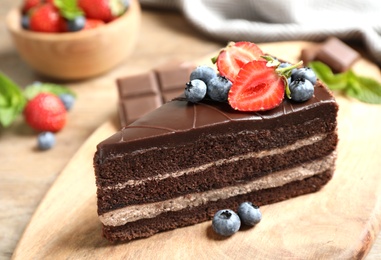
{"type": "Point", "coordinates": [195, 90]}
{"type": "Point", "coordinates": [234, 56]}
{"type": "Point", "coordinates": [45, 112]}
{"type": "Point", "coordinates": [76, 24]}
{"type": "Point", "coordinates": [45, 18]}
{"type": "Point", "coordinates": [105, 10]}
{"type": "Point", "coordinates": [29, 4]}
{"type": "Point", "coordinates": [257, 87]}
{"type": "Point", "coordinates": [218, 88]}
{"type": "Point", "coordinates": [306, 73]}
{"type": "Point", "coordinates": [68, 100]}
{"type": "Point", "coordinates": [203, 73]}
{"type": "Point", "coordinates": [93, 23]}
{"type": "Point", "coordinates": [226, 222]}
{"type": "Point", "coordinates": [46, 140]}
{"type": "Point", "coordinates": [301, 90]}
{"type": "Point", "coordinates": [25, 22]}
{"type": "Point", "coordinates": [249, 213]}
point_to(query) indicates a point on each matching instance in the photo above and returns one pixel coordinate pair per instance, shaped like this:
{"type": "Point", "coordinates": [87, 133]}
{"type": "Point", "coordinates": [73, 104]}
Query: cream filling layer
{"type": "Point", "coordinates": [133, 213]}
{"type": "Point", "coordinates": [203, 167]}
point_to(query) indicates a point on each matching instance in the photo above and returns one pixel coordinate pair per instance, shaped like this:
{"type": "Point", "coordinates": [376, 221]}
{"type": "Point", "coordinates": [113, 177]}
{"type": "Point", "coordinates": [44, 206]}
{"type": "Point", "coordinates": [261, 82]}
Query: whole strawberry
{"type": "Point", "coordinates": [45, 18]}
{"type": "Point", "coordinates": [105, 10]}
{"type": "Point", "coordinates": [45, 112]}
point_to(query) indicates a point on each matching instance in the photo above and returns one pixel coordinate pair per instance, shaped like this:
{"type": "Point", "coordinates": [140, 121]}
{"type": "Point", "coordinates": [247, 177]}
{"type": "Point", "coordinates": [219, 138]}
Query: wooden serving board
{"type": "Point", "coordinates": [339, 222]}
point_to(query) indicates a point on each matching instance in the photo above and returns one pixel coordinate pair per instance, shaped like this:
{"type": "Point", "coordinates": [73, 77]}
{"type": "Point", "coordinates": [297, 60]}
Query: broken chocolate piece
{"type": "Point", "coordinates": [138, 95]}
{"type": "Point", "coordinates": [337, 55]}
{"type": "Point", "coordinates": [309, 54]}
{"type": "Point", "coordinates": [172, 77]}
{"type": "Point", "coordinates": [142, 93]}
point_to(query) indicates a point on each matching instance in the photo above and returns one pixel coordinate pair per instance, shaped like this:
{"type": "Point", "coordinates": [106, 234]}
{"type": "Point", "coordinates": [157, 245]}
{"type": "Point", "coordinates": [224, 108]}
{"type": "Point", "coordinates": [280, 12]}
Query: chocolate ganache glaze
{"type": "Point", "coordinates": [179, 121]}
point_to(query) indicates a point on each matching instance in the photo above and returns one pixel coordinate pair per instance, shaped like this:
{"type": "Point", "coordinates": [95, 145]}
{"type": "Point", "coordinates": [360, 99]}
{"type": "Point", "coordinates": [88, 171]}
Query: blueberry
{"type": "Point", "coordinates": [218, 88]}
{"type": "Point", "coordinates": [76, 24]}
{"type": "Point", "coordinates": [249, 213]}
{"type": "Point", "coordinates": [46, 140]}
{"type": "Point", "coordinates": [288, 75]}
{"type": "Point", "coordinates": [284, 65]}
{"type": "Point", "coordinates": [25, 22]}
{"type": "Point", "coordinates": [203, 73]}
{"type": "Point", "coordinates": [301, 90]}
{"type": "Point", "coordinates": [306, 73]}
{"type": "Point", "coordinates": [195, 90]}
{"type": "Point", "coordinates": [68, 100]}
{"type": "Point", "coordinates": [226, 222]}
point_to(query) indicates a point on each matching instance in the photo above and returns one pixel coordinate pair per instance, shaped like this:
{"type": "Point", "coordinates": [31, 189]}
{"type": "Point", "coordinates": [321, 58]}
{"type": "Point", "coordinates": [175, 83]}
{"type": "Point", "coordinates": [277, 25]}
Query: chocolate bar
{"type": "Point", "coordinates": [333, 52]}
{"type": "Point", "coordinates": [142, 93]}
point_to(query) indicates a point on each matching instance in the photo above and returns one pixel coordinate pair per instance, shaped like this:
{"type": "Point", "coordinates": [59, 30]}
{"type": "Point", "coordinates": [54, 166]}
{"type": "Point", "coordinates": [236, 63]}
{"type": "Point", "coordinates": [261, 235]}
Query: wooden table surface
{"type": "Point", "coordinates": [25, 173]}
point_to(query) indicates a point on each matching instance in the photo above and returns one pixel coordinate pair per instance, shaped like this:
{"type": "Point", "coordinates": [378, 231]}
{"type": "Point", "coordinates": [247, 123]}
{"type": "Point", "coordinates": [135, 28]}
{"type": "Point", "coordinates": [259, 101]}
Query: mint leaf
{"type": "Point", "coordinates": [69, 9]}
{"type": "Point", "coordinates": [32, 90]}
{"type": "Point", "coordinates": [366, 90]}
{"type": "Point", "coordinates": [12, 101]}
{"type": "Point", "coordinates": [362, 88]}
{"type": "Point", "coordinates": [325, 74]}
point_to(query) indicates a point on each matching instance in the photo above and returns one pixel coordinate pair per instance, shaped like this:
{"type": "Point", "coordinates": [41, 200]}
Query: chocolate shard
{"type": "Point", "coordinates": [337, 55]}
{"type": "Point", "coordinates": [142, 93]}
{"type": "Point", "coordinates": [309, 54]}
{"type": "Point", "coordinates": [172, 77]}
{"type": "Point", "coordinates": [138, 95]}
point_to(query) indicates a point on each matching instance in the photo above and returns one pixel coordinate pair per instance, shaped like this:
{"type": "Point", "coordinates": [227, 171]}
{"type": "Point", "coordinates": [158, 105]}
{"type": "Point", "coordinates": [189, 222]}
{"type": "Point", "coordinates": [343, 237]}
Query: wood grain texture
{"type": "Point", "coordinates": [339, 222]}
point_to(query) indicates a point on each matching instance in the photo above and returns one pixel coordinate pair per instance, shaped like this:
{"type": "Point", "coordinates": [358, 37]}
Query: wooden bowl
{"type": "Point", "coordinates": [77, 55]}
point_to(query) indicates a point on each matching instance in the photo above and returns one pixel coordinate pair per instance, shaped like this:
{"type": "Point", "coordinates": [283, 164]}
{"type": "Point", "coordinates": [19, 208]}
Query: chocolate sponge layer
{"type": "Point", "coordinates": [214, 177]}
{"type": "Point", "coordinates": [171, 220]}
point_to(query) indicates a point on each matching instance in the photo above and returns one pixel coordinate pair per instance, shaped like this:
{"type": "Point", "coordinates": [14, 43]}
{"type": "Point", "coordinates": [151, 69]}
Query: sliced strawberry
{"type": "Point", "coordinates": [234, 56]}
{"type": "Point", "coordinates": [257, 87]}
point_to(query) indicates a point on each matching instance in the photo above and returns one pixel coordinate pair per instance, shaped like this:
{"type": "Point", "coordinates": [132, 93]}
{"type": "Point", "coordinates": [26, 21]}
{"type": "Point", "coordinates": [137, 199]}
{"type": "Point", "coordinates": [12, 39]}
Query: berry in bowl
{"type": "Point", "coordinates": [74, 39]}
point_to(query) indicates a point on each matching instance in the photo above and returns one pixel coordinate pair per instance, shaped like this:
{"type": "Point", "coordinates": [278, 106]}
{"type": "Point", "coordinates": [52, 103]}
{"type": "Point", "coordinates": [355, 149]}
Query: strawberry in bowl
{"type": "Point", "coordinates": [61, 42]}
{"type": "Point", "coordinates": [58, 16]}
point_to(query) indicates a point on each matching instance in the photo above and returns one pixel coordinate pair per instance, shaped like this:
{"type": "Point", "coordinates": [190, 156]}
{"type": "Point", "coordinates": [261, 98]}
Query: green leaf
{"type": "Point", "coordinates": [362, 88]}
{"type": "Point", "coordinates": [69, 9]}
{"type": "Point", "coordinates": [325, 74]}
{"type": "Point", "coordinates": [12, 101]}
{"type": "Point", "coordinates": [365, 89]}
{"type": "Point", "coordinates": [32, 90]}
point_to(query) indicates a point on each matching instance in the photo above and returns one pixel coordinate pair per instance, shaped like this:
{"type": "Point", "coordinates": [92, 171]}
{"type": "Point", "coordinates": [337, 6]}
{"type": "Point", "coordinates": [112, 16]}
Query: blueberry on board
{"type": "Point", "coordinates": [203, 73]}
{"type": "Point", "coordinates": [46, 140]}
{"type": "Point", "coordinates": [226, 222]}
{"type": "Point", "coordinates": [218, 88]}
{"type": "Point", "coordinates": [25, 22]}
{"type": "Point", "coordinates": [249, 213]}
{"type": "Point", "coordinates": [68, 100]}
{"type": "Point", "coordinates": [306, 73]}
{"type": "Point", "coordinates": [301, 90]}
{"type": "Point", "coordinates": [195, 90]}
{"type": "Point", "coordinates": [76, 24]}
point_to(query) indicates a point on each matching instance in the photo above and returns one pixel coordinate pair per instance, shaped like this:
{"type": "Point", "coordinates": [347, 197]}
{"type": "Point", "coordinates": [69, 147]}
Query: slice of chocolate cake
{"type": "Point", "coordinates": [182, 162]}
